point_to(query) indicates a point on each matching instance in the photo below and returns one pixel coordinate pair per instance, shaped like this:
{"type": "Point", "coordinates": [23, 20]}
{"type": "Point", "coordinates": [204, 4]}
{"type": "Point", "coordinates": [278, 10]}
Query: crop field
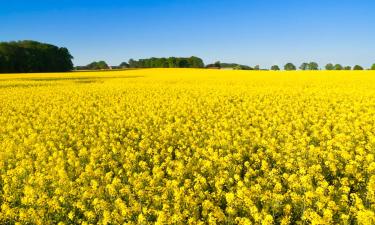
{"type": "Point", "coordinates": [188, 146]}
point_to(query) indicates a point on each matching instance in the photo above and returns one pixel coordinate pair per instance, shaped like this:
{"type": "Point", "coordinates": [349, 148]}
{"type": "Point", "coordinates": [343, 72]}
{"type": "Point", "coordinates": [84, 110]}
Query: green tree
{"type": "Point", "coordinates": [338, 67]}
{"type": "Point", "coordinates": [304, 66]}
{"type": "Point", "coordinates": [330, 66]}
{"type": "Point", "coordinates": [171, 62]}
{"type": "Point", "coordinates": [100, 65]}
{"type": "Point", "coordinates": [373, 67]}
{"type": "Point", "coordinates": [244, 67]}
{"type": "Point", "coordinates": [313, 66]}
{"type": "Point", "coordinates": [240, 67]}
{"type": "Point", "coordinates": [289, 66]}
{"type": "Point", "coordinates": [236, 67]}
{"type": "Point", "coordinates": [33, 56]}
{"type": "Point", "coordinates": [64, 60]}
{"type": "Point", "coordinates": [347, 68]}
{"type": "Point", "coordinates": [357, 67]}
{"type": "Point", "coordinates": [2, 61]}
{"type": "Point", "coordinates": [132, 63]}
{"type": "Point", "coordinates": [163, 63]}
{"type": "Point", "coordinates": [124, 65]}
{"type": "Point", "coordinates": [183, 63]}
{"type": "Point", "coordinates": [195, 62]}
{"type": "Point", "coordinates": [275, 67]}
{"type": "Point", "coordinates": [256, 67]}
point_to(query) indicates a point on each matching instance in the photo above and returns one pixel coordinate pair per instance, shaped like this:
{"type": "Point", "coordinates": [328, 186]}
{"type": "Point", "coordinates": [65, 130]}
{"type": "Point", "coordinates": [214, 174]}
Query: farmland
{"type": "Point", "coordinates": [188, 146]}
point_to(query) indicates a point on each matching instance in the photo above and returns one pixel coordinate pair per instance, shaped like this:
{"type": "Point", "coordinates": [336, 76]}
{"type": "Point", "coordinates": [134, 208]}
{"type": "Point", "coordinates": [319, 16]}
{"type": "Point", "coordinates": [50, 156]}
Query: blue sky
{"type": "Point", "coordinates": [263, 32]}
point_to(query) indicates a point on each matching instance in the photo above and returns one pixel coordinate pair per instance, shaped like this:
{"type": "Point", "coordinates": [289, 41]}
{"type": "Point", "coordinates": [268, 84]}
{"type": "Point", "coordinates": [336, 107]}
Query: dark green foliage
{"type": "Point", "coordinates": [217, 64]}
{"type": "Point", "coordinates": [373, 67]}
{"type": "Point", "coordinates": [275, 67]}
{"type": "Point", "coordinates": [330, 66]}
{"type": "Point", "coordinates": [242, 67]}
{"type": "Point", "coordinates": [132, 63]}
{"type": "Point", "coordinates": [338, 67]}
{"type": "Point", "coordinates": [195, 62]}
{"type": "Point", "coordinates": [100, 65]}
{"type": "Point", "coordinates": [290, 66]}
{"type": "Point", "coordinates": [347, 68]}
{"type": "Point", "coordinates": [32, 56]}
{"type": "Point", "coordinates": [212, 66]}
{"type": "Point", "coordinates": [313, 66]}
{"type": "Point", "coordinates": [357, 67]}
{"type": "Point", "coordinates": [309, 66]}
{"type": "Point", "coordinates": [304, 66]}
{"type": "Point", "coordinates": [235, 66]}
{"type": "Point", "coordinates": [123, 65]}
{"type": "Point", "coordinates": [171, 62]}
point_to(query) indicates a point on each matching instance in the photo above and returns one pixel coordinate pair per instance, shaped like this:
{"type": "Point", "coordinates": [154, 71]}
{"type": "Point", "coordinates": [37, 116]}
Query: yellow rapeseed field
{"type": "Point", "coordinates": [185, 146]}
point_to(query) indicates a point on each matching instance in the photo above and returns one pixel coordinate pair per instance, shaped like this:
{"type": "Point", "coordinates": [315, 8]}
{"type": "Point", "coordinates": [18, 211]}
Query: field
{"type": "Point", "coordinates": [185, 146]}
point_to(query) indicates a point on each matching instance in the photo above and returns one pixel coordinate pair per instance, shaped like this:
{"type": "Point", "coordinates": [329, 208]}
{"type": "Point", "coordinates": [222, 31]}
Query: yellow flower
{"type": "Point", "coordinates": [187, 146]}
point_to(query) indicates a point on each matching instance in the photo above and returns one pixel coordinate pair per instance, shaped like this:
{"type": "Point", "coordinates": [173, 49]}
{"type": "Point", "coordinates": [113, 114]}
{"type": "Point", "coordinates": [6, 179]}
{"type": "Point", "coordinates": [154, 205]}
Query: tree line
{"type": "Point", "coordinates": [171, 62]}
{"type": "Point", "coordinates": [100, 65]}
{"type": "Point", "coordinates": [195, 62]}
{"type": "Point", "coordinates": [315, 66]}
{"type": "Point", "coordinates": [33, 56]}
{"type": "Point", "coordinates": [288, 66]}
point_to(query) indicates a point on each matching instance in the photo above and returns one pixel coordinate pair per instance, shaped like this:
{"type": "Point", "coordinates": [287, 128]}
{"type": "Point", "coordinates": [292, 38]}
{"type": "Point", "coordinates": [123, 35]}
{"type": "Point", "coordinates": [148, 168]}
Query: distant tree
{"type": "Point", "coordinates": [256, 67]}
{"type": "Point", "coordinates": [183, 63]}
{"type": "Point", "coordinates": [100, 65]}
{"type": "Point", "coordinates": [347, 68]}
{"type": "Point", "coordinates": [373, 67]}
{"type": "Point", "coordinates": [304, 66]}
{"type": "Point", "coordinates": [275, 67]}
{"type": "Point", "coordinates": [236, 67]}
{"type": "Point", "coordinates": [195, 62]}
{"type": "Point", "coordinates": [338, 67]}
{"type": "Point", "coordinates": [240, 67]}
{"type": "Point", "coordinates": [132, 63]}
{"type": "Point", "coordinates": [289, 66]}
{"type": "Point", "coordinates": [217, 64]}
{"type": "Point", "coordinates": [163, 63]}
{"type": "Point", "coordinates": [103, 65]}
{"type": "Point", "coordinates": [313, 66]}
{"type": "Point", "coordinates": [151, 62]}
{"type": "Point", "coordinates": [330, 66]}
{"type": "Point", "coordinates": [229, 65]}
{"type": "Point", "coordinates": [123, 65]}
{"type": "Point", "coordinates": [357, 67]}
{"type": "Point", "coordinates": [171, 62]}
{"type": "Point", "coordinates": [244, 67]}
{"type": "Point", "coordinates": [309, 66]}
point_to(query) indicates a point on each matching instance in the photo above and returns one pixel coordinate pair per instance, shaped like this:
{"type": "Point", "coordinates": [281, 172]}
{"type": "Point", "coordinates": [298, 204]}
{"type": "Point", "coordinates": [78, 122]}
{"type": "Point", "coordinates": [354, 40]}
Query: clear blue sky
{"type": "Point", "coordinates": [251, 32]}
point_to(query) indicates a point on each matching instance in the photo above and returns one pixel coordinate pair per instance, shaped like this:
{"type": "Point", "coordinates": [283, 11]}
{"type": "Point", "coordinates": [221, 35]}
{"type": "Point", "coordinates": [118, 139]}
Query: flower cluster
{"type": "Point", "coordinates": [184, 146]}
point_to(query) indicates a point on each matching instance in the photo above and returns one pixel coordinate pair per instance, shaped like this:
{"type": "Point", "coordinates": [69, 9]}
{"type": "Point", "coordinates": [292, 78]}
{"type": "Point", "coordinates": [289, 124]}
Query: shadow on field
{"type": "Point", "coordinates": [48, 81]}
{"type": "Point", "coordinates": [75, 78]}
{"type": "Point", "coordinates": [25, 85]}
{"type": "Point", "coordinates": [68, 78]}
